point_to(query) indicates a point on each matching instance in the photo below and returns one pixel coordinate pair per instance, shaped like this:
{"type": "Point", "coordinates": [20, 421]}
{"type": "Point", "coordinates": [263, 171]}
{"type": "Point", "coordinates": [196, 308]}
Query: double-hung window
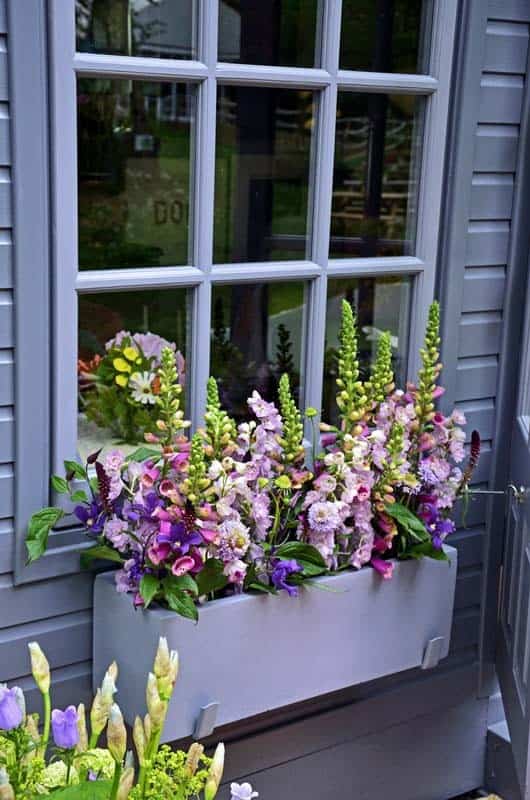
{"type": "Point", "coordinates": [224, 172]}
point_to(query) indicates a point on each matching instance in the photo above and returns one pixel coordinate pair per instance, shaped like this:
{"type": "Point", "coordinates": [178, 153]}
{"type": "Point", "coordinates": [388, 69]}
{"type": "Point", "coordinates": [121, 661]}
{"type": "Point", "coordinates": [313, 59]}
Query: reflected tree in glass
{"type": "Point", "coordinates": [380, 304]}
{"type": "Point", "coordinates": [120, 340]}
{"type": "Point", "coordinates": [375, 175]}
{"type": "Point", "coordinates": [133, 172]}
{"type": "Point", "coordinates": [148, 28]}
{"type": "Point", "coordinates": [262, 174]}
{"type": "Point", "coordinates": [256, 336]}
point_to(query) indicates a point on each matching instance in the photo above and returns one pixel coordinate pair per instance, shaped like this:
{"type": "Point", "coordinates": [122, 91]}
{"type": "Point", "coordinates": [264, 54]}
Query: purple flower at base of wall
{"type": "Point", "coordinates": [93, 517]}
{"type": "Point", "coordinates": [11, 714]}
{"type": "Point", "coordinates": [281, 573]}
{"type": "Point", "coordinates": [64, 728]}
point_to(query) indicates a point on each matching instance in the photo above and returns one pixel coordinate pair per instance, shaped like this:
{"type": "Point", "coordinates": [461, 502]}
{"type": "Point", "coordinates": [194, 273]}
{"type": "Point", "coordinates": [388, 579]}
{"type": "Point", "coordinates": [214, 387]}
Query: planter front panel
{"type": "Point", "coordinates": [252, 654]}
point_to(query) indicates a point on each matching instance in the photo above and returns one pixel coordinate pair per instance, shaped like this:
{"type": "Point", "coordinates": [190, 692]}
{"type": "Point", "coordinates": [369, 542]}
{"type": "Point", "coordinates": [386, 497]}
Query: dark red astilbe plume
{"type": "Point", "coordinates": [103, 486]}
{"type": "Point", "coordinates": [474, 455]}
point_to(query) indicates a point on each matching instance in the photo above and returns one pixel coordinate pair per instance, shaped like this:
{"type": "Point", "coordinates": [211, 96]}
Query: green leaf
{"type": "Point", "coordinates": [301, 552]}
{"type": "Point", "coordinates": [94, 485]}
{"type": "Point", "coordinates": [79, 497]}
{"type": "Point", "coordinates": [180, 583]}
{"type": "Point", "coordinates": [149, 586]}
{"type": "Point", "coordinates": [100, 551]}
{"type": "Point", "coordinates": [39, 527]}
{"type": "Point", "coordinates": [408, 521]}
{"type": "Point", "coordinates": [183, 604]}
{"type": "Point", "coordinates": [59, 484]}
{"type": "Point", "coordinates": [211, 577]}
{"type": "Point", "coordinates": [76, 469]}
{"type": "Point", "coordinates": [88, 790]}
{"type": "Point", "coordinates": [426, 550]}
{"type": "Point", "coordinates": [258, 586]}
{"type": "Point", "coordinates": [143, 454]}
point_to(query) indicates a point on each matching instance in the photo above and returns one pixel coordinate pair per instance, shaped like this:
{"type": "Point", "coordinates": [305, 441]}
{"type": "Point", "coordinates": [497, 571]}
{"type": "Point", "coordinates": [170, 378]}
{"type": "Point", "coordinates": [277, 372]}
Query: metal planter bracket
{"type": "Point", "coordinates": [206, 721]}
{"type": "Point", "coordinates": [433, 652]}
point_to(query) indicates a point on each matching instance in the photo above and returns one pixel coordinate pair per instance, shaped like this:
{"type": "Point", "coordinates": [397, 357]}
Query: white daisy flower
{"type": "Point", "coordinates": [140, 384]}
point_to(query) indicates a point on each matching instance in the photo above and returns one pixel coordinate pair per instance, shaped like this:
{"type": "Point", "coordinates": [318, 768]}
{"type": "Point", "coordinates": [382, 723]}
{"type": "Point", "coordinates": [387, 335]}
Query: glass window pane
{"type": "Point", "coordinates": [376, 175]}
{"type": "Point", "coordinates": [256, 336]}
{"type": "Point", "coordinates": [385, 35]}
{"type": "Point", "coordinates": [134, 172]}
{"type": "Point", "coordinates": [262, 173]}
{"type": "Point", "coordinates": [276, 32]}
{"type": "Point", "coordinates": [381, 304]}
{"type": "Point", "coordinates": [121, 335]}
{"type": "Point", "coordinates": [149, 28]}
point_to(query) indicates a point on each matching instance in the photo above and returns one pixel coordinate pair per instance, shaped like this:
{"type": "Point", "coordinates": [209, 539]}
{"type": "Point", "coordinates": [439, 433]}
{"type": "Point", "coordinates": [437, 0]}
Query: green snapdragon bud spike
{"type": "Point", "coordinates": [220, 429]}
{"type": "Point", "coordinates": [351, 398]}
{"type": "Point", "coordinates": [430, 369]}
{"type": "Point", "coordinates": [381, 376]}
{"type": "Point", "coordinates": [196, 481]}
{"type": "Point", "coordinates": [171, 417]}
{"type": "Point", "coordinates": [392, 470]}
{"type": "Point", "coordinates": [293, 429]}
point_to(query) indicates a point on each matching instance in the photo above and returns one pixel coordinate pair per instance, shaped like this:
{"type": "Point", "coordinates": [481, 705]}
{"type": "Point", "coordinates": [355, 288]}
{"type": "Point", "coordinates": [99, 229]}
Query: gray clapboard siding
{"type": "Point", "coordinates": [484, 289]}
{"type": "Point", "coordinates": [506, 47]}
{"type": "Point", "coordinates": [5, 141]}
{"type": "Point", "coordinates": [465, 631]}
{"type": "Point", "coordinates": [44, 599]}
{"type": "Point", "coordinates": [67, 639]}
{"type": "Point", "coordinates": [7, 435]}
{"type": "Point", "coordinates": [476, 378]}
{"type": "Point", "coordinates": [6, 318]}
{"type": "Point", "coordinates": [480, 333]}
{"type": "Point", "coordinates": [3, 17]}
{"type": "Point", "coordinates": [6, 270]}
{"type": "Point", "coordinates": [496, 148]}
{"type": "Point", "coordinates": [7, 486]}
{"type": "Point", "coordinates": [70, 684]}
{"type": "Point", "coordinates": [6, 378]}
{"type": "Point", "coordinates": [5, 198]}
{"type": "Point", "coordinates": [487, 243]}
{"type": "Point", "coordinates": [480, 415]}
{"type": "Point", "coordinates": [470, 545]}
{"type": "Point", "coordinates": [501, 97]}
{"type": "Point", "coordinates": [6, 546]}
{"type": "Point", "coordinates": [491, 196]}
{"type": "Point", "coordinates": [515, 10]}
{"type": "Point", "coordinates": [468, 588]}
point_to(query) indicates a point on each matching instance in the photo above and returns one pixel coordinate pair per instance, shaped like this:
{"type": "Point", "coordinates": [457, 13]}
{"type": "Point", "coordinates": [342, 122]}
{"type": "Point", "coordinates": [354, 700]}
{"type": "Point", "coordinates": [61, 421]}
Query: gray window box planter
{"type": "Point", "coordinates": [250, 654]}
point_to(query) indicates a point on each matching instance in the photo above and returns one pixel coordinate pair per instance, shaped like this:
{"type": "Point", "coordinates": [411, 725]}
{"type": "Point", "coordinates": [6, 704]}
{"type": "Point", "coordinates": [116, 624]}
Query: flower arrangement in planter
{"type": "Point", "coordinates": [118, 390]}
{"type": "Point", "coordinates": [75, 765]}
{"type": "Point", "coordinates": [243, 508]}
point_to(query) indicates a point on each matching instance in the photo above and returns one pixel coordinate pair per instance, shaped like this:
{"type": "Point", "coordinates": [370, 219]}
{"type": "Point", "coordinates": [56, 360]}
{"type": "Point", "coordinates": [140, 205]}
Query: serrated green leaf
{"type": "Point", "coordinates": [149, 586]}
{"type": "Point", "coordinates": [100, 551]}
{"type": "Point", "coordinates": [211, 577]}
{"type": "Point", "coordinates": [76, 469]}
{"type": "Point", "coordinates": [143, 454]}
{"type": "Point", "coordinates": [408, 522]}
{"type": "Point", "coordinates": [182, 604]}
{"type": "Point", "coordinates": [301, 552]}
{"type": "Point", "coordinates": [79, 496]}
{"type": "Point", "coordinates": [59, 484]}
{"type": "Point", "coordinates": [39, 528]}
{"type": "Point", "coordinates": [180, 583]}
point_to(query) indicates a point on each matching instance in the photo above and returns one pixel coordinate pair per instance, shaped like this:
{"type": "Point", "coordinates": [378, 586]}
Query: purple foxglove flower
{"type": "Point", "coordinates": [182, 565]}
{"type": "Point", "coordinates": [159, 552]}
{"type": "Point", "coordinates": [384, 568]}
{"type": "Point", "coordinates": [64, 727]}
{"type": "Point", "coordinates": [281, 572]}
{"type": "Point", "coordinates": [11, 713]}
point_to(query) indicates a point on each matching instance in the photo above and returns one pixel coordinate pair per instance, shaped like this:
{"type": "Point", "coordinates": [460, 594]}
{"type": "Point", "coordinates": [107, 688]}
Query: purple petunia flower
{"type": "Point", "coordinates": [11, 713]}
{"type": "Point", "coordinates": [282, 571]}
{"type": "Point", "coordinates": [64, 727]}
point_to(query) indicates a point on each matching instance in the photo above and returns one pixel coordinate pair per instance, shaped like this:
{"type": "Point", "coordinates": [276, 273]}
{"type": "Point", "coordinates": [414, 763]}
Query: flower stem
{"type": "Point", "coordinates": [47, 717]}
{"type": "Point", "coordinates": [115, 781]}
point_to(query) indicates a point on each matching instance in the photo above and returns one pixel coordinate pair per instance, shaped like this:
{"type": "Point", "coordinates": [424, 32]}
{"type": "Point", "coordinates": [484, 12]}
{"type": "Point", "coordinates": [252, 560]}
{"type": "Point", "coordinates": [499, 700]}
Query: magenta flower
{"type": "Point", "coordinates": [158, 552]}
{"type": "Point", "coordinates": [384, 568]}
{"type": "Point", "coordinates": [182, 565]}
{"type": "Point", "coordinates": [64, 728]}
{"type": "Point", "coordinates": [11, 713]}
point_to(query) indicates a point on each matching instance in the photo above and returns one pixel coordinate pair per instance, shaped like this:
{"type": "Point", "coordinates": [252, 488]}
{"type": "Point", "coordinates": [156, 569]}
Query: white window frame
{"type": "Point", "coordinates": [205, 72]}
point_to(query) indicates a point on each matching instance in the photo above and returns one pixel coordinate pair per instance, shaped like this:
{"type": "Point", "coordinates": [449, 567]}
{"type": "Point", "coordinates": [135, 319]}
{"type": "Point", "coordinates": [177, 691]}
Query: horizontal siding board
{"type": "Point", "coordinates": [4, 89]}
{"type": "Point", "coordinates": [506, 47]}
{"type": "Point", "coordinates": [71, 685]}
{"type": "Point", "coordinates": [3, 17]}
{"type": "Point", "coordinates": [476, 378]}
{"type": "Point", "coordinates": [475, 513]}
{"type": "Point", "coordinates": [496, 148]}
{"type": "Point", "coordinates": [465, 631]}
{"type": "Point", "coordinates": [480, 416]}
{"type": "Point", "coordinates": [5, 148]}
{"type": "Point", "coordinates": [6, 546]}
{"type": "Point", "coordinates": [6, 269]}
{"type": "Point", "coordinates": [501, 99]}
{"type": "Point", "coordinates": [470, 545]}
{"type": "Point", "coordinates": [5, 204]}
{"type": "Point", "coordinates": [514, 10]}
{"type": "Point", "coordinates": [65, 640]}
{"type": "Point", "coordinates": [6, 379]}
{"type": "Point", "coordinates": [468, 589]}
{"type": "Point", "coordinates": [6, 318]}
{"type": "Point", "coordinates": [484, 289]}
{"type": "Point", "coordinates": [7, 491]}
{"type": "Point", "coordinates": [487, 244]}
{"type": "Point", "coordinates": [491, 197]}
{"type": "Point", "coordinates": [43, 599]}
{"type": "Point", "coordinates": [479, 334]}
{"type": "Point", "coordinates": [7, 436]}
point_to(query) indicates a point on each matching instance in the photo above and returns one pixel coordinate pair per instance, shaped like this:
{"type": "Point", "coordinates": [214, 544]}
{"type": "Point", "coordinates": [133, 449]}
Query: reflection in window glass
{"type": "Point", "coordinates": [121, 336]}
{"type": "Point", "coordinates": [276, 32]}
{"type": "Point", "coordinates": [384, 36]}
{"type": "Point", "coordinates": [262, 173]}
{"type": "Point", "coordinates": [375, 175]}
{"type": "Point", "coordinates": [256, 336]}
{"type": "Point", "coordinates": [149, 28]}
{"type": "Point", "coordinates": [134, 172]}
{"type": "Point", "coordinates": [381, 304]}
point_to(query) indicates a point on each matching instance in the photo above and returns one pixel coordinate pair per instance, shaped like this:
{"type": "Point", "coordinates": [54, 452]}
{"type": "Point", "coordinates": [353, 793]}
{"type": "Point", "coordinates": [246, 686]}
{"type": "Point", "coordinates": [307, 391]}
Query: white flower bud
{"type": "Point", "coordinates": [40, 667]}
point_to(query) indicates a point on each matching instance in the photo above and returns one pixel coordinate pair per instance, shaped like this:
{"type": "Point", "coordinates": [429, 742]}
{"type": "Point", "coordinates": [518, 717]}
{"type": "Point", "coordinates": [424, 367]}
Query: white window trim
{"type": "Point", "coordinates": [67, 282]}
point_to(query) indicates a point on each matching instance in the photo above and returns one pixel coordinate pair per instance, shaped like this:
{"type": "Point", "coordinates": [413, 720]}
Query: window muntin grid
{"type": "Point", "coordinates": [206, 74]}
